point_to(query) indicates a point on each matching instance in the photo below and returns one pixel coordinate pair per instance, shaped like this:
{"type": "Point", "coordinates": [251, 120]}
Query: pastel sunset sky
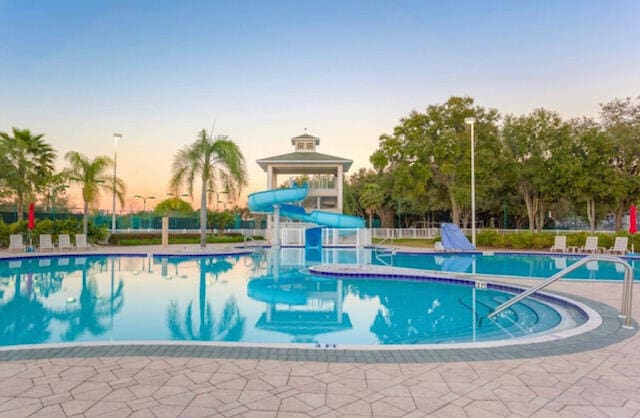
{"type": "Point", "coordinates": [159, 71]}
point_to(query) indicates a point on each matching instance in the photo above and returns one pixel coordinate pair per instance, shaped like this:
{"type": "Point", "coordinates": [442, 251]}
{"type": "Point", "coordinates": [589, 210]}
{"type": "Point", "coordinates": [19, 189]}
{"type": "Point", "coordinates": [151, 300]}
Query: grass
{"type": "Point", "coordinates": [407, 242]}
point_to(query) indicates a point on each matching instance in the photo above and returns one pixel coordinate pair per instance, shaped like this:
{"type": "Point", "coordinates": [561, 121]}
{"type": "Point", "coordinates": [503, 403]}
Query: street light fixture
{"type": "Point", "coordinates": [116, 138]}
{"type": "Point", "coordinates": [471, 121]}
{"type": "Point", "coordinates": [52, 194]}
{"type": "Point", "coordinates": [218, 197]}
{"type": "Point", "coordinates": [144, 201]}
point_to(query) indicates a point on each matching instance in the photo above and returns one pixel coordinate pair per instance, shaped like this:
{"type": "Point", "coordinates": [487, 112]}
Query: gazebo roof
{"type": "Point", "coordinates": [301, 159]}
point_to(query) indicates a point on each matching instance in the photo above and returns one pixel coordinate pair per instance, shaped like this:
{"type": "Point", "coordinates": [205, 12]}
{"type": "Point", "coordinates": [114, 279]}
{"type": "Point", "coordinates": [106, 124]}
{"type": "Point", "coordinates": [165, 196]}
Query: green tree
{"type": "Point", "coordinates": [92, 176]}
{"type": "Point", "coordinates": [26, 160]}
{"type": "Point", "coordinates": [591, 177]}
{"type": "Point", "coordinates": [536, 146]}
{"type": "Point", "coordinates": [620, 119]}
{"type": "Point", "coordinates": [221, 220]}
{"type": "Point", "coordinates": [217, 162]}
{"type": "Point", "coordinates": [371, 199]}
{"type": "Point", "coordinates": [428, 157]}
{"type": "Point", "coordinates": [172, 205]}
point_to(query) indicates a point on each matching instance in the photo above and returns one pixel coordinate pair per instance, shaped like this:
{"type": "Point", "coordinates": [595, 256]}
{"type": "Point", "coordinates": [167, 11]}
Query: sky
{"type": "Point", "coordinates": [264, 71]}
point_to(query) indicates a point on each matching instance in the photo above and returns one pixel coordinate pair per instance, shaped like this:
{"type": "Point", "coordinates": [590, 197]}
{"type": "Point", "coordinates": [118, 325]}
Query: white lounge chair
{"type": "Point", "coordinates": [45, 243]}
{"type": "Point", "coordinates": [591, 246]}
{"type": "Point", "coordinates": [559, 244]}
{"type": "Point", "coordinates": [437, 246]}
{"type": "Point", "coordinates": [16, 243]}
{"type": "Point", "coordinates": [64, 242]}
{"type": "Point", "coordinates": [619, 246]}
{"type": "Point", "coordinates": [81, 242]}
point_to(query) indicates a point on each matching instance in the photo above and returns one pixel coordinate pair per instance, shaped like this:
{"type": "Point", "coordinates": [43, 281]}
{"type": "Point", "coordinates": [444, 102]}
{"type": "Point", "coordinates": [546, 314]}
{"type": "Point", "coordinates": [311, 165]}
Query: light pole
{"type": "Point", "coordinates": [144, 201]}
{"type": "Point", "coordinates": [471, 121]}
{"type": "Point", "coordinates": [52, 194]}
{"type": "Point", "coordinates": [218, 197]}
{"type": "Point", "coordinates": [116, 138]}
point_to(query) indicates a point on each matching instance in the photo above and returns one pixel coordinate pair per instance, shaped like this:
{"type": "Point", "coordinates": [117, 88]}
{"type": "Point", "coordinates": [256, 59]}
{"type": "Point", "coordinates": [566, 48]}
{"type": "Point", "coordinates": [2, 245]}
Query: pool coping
{"type": "Point", "coordinates": [608, 332]}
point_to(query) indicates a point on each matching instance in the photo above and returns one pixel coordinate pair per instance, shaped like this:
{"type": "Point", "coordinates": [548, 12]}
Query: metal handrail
{"type": "Point", "coordinates": [627, 288]}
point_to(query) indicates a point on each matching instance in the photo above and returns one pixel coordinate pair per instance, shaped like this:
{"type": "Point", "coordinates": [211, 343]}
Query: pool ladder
{"type": "Point", "coordinates": [627, 287]}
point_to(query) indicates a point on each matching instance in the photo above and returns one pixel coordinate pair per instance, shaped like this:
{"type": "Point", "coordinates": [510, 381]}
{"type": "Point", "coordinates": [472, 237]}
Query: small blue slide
{"type": "Point", "coordinates": [263, 202]}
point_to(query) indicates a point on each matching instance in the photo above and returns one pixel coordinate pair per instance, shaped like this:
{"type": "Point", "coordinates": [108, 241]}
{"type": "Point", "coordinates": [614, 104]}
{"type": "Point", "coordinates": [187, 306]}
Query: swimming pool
{"type": "Point", "coordinates": [538, 266]}
{"type": "Point", "coordinates": [266, 297]}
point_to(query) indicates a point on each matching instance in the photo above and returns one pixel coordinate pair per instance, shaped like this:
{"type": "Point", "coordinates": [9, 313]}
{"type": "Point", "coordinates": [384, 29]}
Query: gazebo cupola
{"type": "Point", "coordinates": [305, 143]}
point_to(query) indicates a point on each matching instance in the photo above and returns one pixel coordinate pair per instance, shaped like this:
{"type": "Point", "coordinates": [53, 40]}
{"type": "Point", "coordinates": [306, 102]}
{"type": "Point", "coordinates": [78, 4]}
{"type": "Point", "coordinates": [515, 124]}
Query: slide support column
{"type": "Point", "coordinates": [275, 239]}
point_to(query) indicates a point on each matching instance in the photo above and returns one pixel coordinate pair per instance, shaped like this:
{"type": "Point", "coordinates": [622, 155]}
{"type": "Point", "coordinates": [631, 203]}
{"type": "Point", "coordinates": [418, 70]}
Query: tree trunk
{"type": "Point", "coordinates": [619, 213]}
{"type": "Point", "coordinates": [540, 222]}
{"type": "Point", "coordinates": [591, 213]}
{"type": "Point", "coordinates": [20, 208]}
{"type": "Point", "coordinates": [203, 215]}
{"type": "Point", "coordinates": [531, 202]}
{"type": "Point", "coordinates": [386, 217]}
{"type": "Point", "coordinates": [455, 210]}
{"type": "Point", "coordinates": [85, 218]}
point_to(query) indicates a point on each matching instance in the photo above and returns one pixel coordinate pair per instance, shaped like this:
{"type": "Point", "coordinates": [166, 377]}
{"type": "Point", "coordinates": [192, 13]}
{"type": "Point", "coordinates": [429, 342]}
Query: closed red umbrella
{"type": "Point", "coordinates": [633, 227]}
{"type": "Point", "coordinates": [32, 217]}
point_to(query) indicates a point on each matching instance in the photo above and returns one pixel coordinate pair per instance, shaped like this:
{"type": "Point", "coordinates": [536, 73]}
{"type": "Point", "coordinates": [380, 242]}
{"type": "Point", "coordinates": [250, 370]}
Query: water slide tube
{"type": "Point", "coordinates": [263, 202]}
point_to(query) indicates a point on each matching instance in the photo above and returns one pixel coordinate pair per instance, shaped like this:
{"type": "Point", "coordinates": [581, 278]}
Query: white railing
{"type": "Point", "coordinates": [627, 287]}
{"type": "Point", "coordinates": [348, 237]}
{"type": "Point", "coordinates": [419, 233]}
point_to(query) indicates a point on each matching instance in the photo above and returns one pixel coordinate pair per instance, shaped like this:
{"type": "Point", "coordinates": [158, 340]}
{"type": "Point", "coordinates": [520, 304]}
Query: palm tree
{"type": "Point", "coordinates": [218, 162]}
{"type": "Point", "coordinates": [25, 160]}
{"type": "Point", "coordinates": [92, 176]}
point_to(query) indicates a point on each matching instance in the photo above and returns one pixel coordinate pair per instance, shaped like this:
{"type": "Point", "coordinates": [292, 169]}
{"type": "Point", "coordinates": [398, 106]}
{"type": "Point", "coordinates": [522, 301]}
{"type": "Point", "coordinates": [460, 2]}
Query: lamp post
{"type": "Point", "coordinates": [218, 197]}
{"type": "Point", "coordinates": [471, 121]}
{"type": "Point", "coordinates": [52, 194]}
{"type": "Point", "coordinates": [144, 201]}
{"type": "Point", "coordinates": [116, 138]}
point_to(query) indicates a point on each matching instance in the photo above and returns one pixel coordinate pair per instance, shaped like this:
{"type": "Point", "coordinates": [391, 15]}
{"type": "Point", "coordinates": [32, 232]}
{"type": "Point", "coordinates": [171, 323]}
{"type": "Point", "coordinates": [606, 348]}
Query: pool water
{"type": "Point", "coordinates": [266, 297]}
{"type": "Point", "coordinates": [539, 266]}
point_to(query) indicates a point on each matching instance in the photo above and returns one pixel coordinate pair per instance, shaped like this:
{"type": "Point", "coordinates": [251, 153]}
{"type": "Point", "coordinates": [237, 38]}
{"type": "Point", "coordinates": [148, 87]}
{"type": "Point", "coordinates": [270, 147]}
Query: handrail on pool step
{"type": "Point", "coordinates": [627, 287]}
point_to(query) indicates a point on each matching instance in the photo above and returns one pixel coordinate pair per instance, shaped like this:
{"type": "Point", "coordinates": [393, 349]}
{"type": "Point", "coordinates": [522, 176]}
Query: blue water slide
{"type": "Point", "coordinates": [263, 202]}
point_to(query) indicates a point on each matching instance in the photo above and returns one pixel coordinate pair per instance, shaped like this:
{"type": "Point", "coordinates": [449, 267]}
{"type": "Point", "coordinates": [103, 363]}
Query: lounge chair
{"type": "Point", "coordinates": [559, 244]}
{"type": "Point", "coordinates": [81, 242]}
{"type": "Point", "coordinates": [45, 243]}
{"type": "Point", "coordinates": [619, 246]}
{"type": "Point", "coordinates": [64, 242]}
{"type": "Point", "coordinates": [591, 246]}
{"type": "Point", "coordinates": [16, 243]}
{"type": "Point", "coordinates": [437, 246]}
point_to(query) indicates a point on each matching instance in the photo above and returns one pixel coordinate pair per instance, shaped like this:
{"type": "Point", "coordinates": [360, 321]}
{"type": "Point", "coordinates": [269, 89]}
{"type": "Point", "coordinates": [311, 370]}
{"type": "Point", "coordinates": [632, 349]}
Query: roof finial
{"type": "Point", "coordinates": [305, 130]}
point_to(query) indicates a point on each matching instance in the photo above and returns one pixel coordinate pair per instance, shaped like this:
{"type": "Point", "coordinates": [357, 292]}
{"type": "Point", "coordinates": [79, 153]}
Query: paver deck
{"type": "Point", "coordinates": [596, 381]}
